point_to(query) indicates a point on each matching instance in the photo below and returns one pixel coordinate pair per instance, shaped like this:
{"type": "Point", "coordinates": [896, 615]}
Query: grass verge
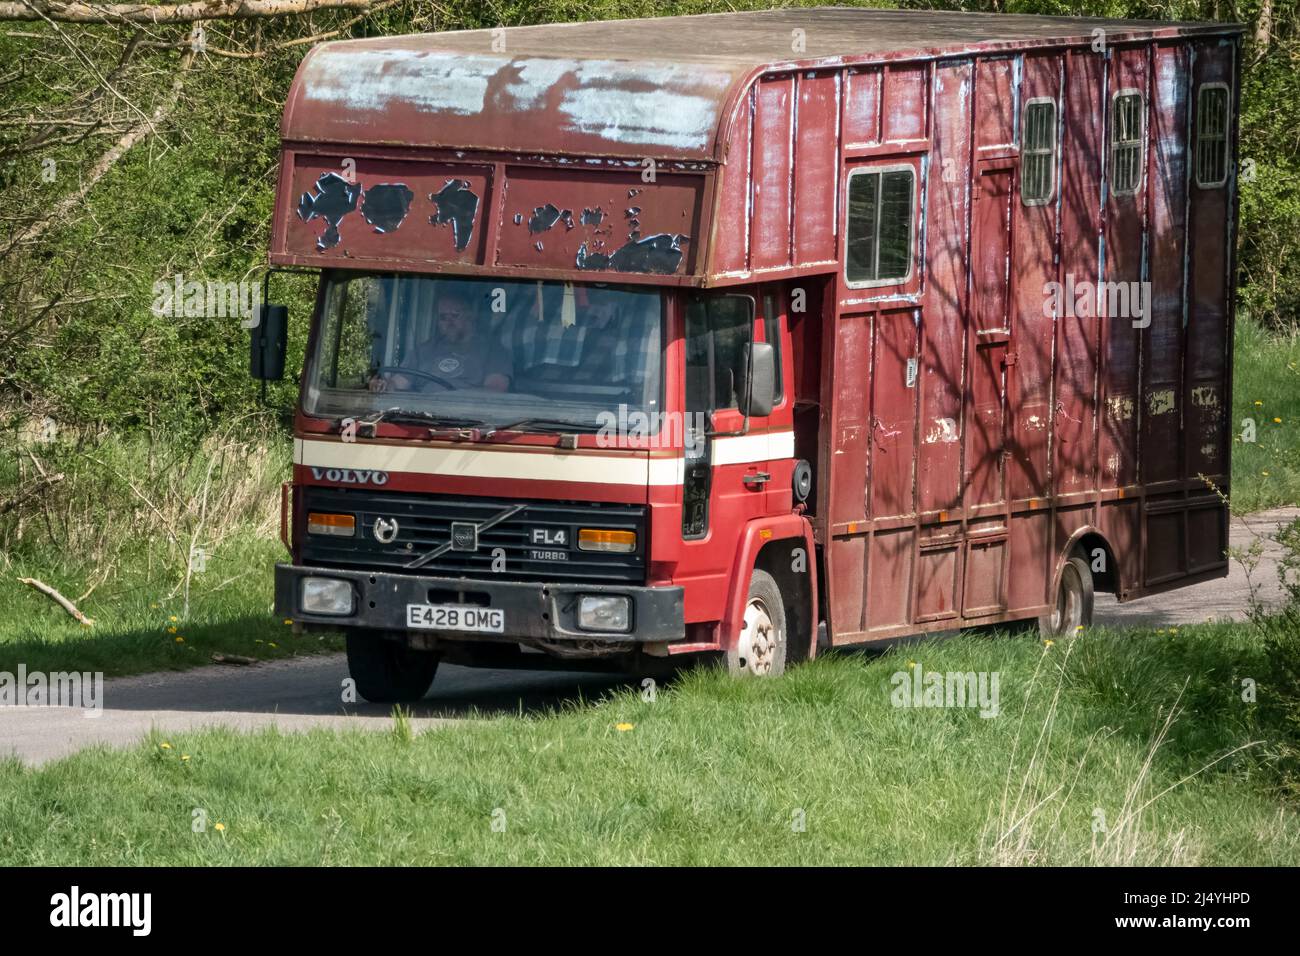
{"type": "Point", "coordinates": [1115, 748]}
{"type": "Point", "coordinates": [1266, 391]}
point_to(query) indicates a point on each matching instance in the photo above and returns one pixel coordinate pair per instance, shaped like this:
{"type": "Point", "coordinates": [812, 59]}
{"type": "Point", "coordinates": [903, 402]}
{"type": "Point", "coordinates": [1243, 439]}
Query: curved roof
{"type": "Point", "coordinates": [622, 88]}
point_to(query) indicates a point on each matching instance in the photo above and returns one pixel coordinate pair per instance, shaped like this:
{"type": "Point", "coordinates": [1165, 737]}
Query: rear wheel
{"type": "Point", "coordinates": [388, 672]}
{"type": "Point", "coordinates": [760, 649]}
{"type": "Point", "coordinates": [1072, 610]}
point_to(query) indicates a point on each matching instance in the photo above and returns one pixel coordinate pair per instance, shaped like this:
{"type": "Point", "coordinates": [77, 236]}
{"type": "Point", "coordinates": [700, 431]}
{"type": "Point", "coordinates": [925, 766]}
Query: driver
{"type": "Point", "coordinates": [457, 355]}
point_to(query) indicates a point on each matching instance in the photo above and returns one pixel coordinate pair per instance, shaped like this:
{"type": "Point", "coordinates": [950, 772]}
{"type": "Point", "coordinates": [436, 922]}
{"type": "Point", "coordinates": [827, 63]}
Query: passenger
{"type": "Point", "coordinates": [457, 355]}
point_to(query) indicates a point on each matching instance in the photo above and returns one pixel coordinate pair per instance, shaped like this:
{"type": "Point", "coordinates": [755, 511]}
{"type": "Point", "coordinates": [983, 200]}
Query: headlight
{"type": "Point", "coordinates": [605, 539]}
{"type": "Point", "coordinates": [604, 612]}
{"type": "Point", "coordinates": [326, 596]}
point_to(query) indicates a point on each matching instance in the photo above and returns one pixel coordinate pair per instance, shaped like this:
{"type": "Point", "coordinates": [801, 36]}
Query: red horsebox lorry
{"type": "Point", "coordinates": [692, 335]}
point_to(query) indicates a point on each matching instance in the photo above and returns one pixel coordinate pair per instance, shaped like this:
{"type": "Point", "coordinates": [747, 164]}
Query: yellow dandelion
{"type": "Point", "coordinates": [1160, 630]}
{"type": "Point", "coordinates": [273, 644]}
{"type": "Point", "coordinates": [1078, 629]}
{"type": "Point", "coordinates": [171, 630]}
{"type": "Point", "coordinates": [911, 665]}
{"type": "Point", "coordinates": [1264, 473]}
{"type": "Point", "coordinates": [1277, 421]}
{"type": "Point", "coordinates": [153, 607]}
{"type": "Point", "coordinates": [288, 621]}
{"type": "Point", "coordinates": [259, 641]}
{"type": "Point", "coordinates": [1259, 404]}
{"type": "Point", "coordinates": [185, 756]}
{"type": "Point", "coordinates": [180, 640]}
{"type": "Point", "coordinates": [220, 828]}
{"type": "Point", "coordinates": [1049, 643]}
{"type": "Point", "coordinates": [623, 727]}
{"type": "Point", "coordinates": [172, 618]}
{"type": "Point", "coordinates": [165, 745]}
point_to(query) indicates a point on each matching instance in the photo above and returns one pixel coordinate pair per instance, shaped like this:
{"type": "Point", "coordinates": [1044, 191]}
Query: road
{"type": "Point", "coordinates": [307, 692]}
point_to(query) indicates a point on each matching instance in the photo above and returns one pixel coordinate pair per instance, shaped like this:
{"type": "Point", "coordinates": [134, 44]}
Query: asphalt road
{"type": "Point", "coordinates": [307, 692]}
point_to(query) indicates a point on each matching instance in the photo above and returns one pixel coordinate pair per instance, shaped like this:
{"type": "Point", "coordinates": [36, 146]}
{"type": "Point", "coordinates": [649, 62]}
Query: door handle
{"type": "Point", "coordinates": [756, 479]}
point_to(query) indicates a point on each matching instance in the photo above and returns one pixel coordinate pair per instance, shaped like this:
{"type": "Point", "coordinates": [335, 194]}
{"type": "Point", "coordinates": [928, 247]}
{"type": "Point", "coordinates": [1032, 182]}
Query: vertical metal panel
{"type": "Point", "coordinates": [816, 168]}
{"type": "Point", "coordinates": [1162, 394]}
{"type": "Point", "coordinates": [731, 229]}
{"type": "Point", "coordinates": [991, 244]}
{"type": "Point", "coordinates": [943, 368]}
{"type": "Point", "coordinates": [889, 587]}
{"type": "Point", "coordinates": [1207, 315]}
{"type": "Point", "coordinates": [862, 106]}
{"type": "Point", "coordinates": [1125, 224]}
{"type": "Point", "coordinates": [1032, 326]}
{"type": "Point", "coordinates": [1077, 335]}
{"type": "Point", "coordinates": [904, 113]}
{"type": "Point", "coordinates": [995, 102]}
{"type": "Point", "coordinates": [773, 137]}
{"type": "Point", "coordinates": [893, 415]}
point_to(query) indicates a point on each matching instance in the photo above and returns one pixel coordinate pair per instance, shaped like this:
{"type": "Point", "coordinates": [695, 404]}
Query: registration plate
{"type": "Point", "coordinates": [456, 617]}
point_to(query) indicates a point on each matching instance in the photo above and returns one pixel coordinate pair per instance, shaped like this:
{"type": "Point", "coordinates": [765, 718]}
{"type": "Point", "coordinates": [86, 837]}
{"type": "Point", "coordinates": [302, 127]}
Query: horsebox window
{"type": "Point", "coordinates": [1127, 138]}
{"type": "Point", "coordinates": [1212, 135]}
{"type": "Point", "coordinates": [1038, 153]}
{"type": "Point", "coordinates": [880, 226]}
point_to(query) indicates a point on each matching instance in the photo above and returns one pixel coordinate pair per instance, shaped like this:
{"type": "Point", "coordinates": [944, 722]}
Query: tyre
{"type": "Point", "coordinates": [760, 649]}
{"type": "Point", "coordinates": [1072, 609]}
{"type": "Point", "coordinates": [388, 672]}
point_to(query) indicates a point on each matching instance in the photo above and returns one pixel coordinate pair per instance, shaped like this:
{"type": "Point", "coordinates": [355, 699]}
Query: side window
{"type": "Point", "coordinates": [772, 335]}
{"type": "Point", "coordinates": [1212, 135]}
{"type": "Point", "coordinates": [1038, 152]}
{"type": "Point", "coordinates": [1127, 142]}
{"type": "Point", "coordinates": [717, 331]}
{"type": "Point", "coordinates": [879, 233]}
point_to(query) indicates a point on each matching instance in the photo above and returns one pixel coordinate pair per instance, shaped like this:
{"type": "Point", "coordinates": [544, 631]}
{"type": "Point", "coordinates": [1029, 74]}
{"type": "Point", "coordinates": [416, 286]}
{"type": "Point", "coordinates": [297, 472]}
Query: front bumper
{"type": "Point", "coordinates": [536, 611]}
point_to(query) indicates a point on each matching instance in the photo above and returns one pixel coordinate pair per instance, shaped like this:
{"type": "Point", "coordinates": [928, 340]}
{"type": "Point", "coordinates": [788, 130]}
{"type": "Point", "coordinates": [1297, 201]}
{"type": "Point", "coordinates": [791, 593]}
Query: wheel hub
{"type": "Point", "coordinates": [758, 640]}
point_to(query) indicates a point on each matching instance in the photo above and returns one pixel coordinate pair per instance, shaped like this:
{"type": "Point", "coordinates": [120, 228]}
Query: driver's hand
{"type": "Point", "coordinates": [378, 383]}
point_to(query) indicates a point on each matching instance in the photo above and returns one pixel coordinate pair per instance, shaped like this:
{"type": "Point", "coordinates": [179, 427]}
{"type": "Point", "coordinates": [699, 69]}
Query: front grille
{"type": "Point", "coordinates": [424, 522]}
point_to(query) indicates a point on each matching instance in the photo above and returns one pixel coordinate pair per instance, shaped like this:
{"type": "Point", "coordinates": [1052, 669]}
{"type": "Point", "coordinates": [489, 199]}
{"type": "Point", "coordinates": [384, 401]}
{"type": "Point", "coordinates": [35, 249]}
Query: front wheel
{"type": "Point", "coordinates": [760, 649]}
{"type": "Point", "coordinates": [1072, 611]}
{"type": "Point", "coordinates": [388, 672]}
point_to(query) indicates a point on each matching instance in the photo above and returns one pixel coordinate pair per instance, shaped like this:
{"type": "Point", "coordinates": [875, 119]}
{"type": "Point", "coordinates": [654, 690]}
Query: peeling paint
{"type": "Point", "coordinates": [1120, 408]}
{"type": "Point", "coordinates": [1161, 402]}
{"type": "Point", "coordinates": [592, 217]}
{"type": "Point", "coordinates": [458, 206]}
{"type": "Point", "coordinates": [543, 218]}
{"type": "Point", "coordinates": [660, 254]}
{"type": "Point", "coordinates": [335, 197]}
{"type": "Point", "coordinates": [944, 430]}
{"type": "Point", "coordinates": [1205, 396]}
{"type": "Point", "coordinates": [385, 206]}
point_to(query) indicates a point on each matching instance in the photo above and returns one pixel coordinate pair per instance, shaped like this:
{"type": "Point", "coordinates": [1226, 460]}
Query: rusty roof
{"type": "Point", "coordinates": [626, 88]}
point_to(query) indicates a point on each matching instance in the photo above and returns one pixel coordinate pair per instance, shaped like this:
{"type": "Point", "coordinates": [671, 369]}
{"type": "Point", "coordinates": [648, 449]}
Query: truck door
{"type": "Point", "coordinates": [727, 467]}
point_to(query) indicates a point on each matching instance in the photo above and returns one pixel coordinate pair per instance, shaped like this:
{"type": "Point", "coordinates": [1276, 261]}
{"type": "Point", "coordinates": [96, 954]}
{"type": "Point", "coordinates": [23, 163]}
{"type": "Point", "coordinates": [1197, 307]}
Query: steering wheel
{"type": "Point", "coordinates": [418, 373]}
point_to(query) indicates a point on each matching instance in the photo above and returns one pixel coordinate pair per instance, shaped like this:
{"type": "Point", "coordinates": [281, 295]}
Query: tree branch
{"type": "Point", "coordinates": [169, 13]}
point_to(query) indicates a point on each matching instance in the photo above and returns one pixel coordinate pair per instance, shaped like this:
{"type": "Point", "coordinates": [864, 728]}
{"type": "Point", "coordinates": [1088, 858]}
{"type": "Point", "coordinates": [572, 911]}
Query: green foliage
{"type": "Point", "coordinates": [196, 196]}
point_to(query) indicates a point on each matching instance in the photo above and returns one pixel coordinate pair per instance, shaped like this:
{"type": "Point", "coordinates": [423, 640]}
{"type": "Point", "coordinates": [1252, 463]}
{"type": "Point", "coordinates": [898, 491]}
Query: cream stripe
{"type": "Point", "coordinates": [630, 469]}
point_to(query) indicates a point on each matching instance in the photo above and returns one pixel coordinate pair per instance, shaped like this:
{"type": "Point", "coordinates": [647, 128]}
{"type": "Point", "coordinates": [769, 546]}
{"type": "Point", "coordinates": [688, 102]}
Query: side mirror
{"type": "Point", "coordinates": [268, 343]}
{"type": "Point", "coordinates": [761, 391]}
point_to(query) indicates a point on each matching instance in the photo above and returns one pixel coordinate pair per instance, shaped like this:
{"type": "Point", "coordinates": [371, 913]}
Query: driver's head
{"type": "Point", "coordinates": [601, 307]}
{"type": "Point", "coordinates": [455, 323]}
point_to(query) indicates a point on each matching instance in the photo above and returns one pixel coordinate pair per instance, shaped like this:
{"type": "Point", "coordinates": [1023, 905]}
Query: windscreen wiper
{"type": "Point", "coordinates": [399, 414]}
{"type": "Point", "coordinates": [535, 423]}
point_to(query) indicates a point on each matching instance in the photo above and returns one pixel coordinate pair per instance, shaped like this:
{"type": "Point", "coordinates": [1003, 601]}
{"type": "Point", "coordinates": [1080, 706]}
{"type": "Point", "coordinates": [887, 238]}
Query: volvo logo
{"type": "Point", "coordinates": [464, 536]}
{"type": "Point", "coordinates": [385, 530]}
